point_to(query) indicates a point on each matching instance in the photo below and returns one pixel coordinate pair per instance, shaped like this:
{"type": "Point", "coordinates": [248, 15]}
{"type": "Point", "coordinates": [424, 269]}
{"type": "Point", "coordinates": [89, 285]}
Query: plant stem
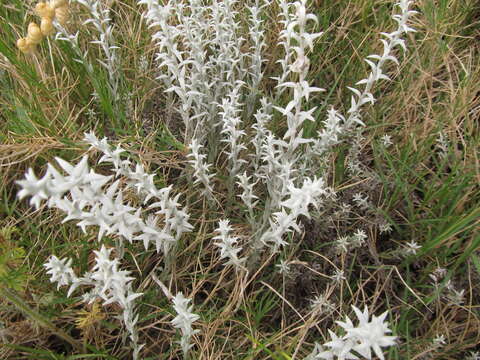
{"type": "Point", "coordinates": [12, 296]}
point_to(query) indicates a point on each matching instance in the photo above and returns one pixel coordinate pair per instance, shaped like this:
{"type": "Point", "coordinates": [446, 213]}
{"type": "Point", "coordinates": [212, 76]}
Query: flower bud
{"type": "Point", "coordinates": [46, 26]}
{"type": "Point", "coordinates": [58, 3]}
{"type": "Point", "coordinates": [30, 43]}
{"type": "Point", "coordinates": [34, 35]}
{"type": "Point", "coordinates": [44, 10]}
{"type": "Point", "coordinates": [62, 14]}
{"type": "Point", "coordinates": [24, 46]}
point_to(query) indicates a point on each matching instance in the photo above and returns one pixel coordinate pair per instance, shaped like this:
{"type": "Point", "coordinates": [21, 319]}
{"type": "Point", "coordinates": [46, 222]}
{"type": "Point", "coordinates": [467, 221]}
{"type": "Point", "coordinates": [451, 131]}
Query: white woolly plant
{"type": "Point", "coordinates": [228, 245]}
{"type": "Point", "coordinates": [282, 163]}
{"type": "Point", "coordinates": [63, 35]}
{"type": "Point", "coordinates": [204, 66]}
{"type": "Point", "coordinates": [285, 42]}
{"type": "Point", "coordinates": [108, 283]}
{"type": "Point", "coordinates": [330, 134]}
{"type": "Point", "coordinates": [262, 118]}
{"type": "Point", "coordinates": [174, 217]}
{"type": "Point", "coordinates": [201, 168]}
{"type": "Point", "coordinates": [285, 221]}
{"type": "Point", "coordinates": [277, 172]}
{"type": "Point", "coordinates": [226, 45]}
{"type": "Point", "coordinates": [165, 38]}
{"type": "Point", "coordinates": [258, 45]}
{"type": "Point", "coordinates": [295, 30]}
{"type": "Point", "coordinates": [346, 243]}
{"type": "Point", "coordinates": [377, 62]}
{"type": "Point", "coordinates": [184, 321]}
{"type": "Point", "coordinates": [257, 37]}
{"type": "Point", "coordinates": [231, 121]}
{"type": "Point", "coordinates": [283, 166]}
{"type": "Point", "coordinates": [100, 19]}
{"type": "Point", "coordinates": [248, 197]}
{"type": "Point", "coordinates": [336, 125]}
{"type": "Point", "coordinates": [279, 157]}
{"type": "Point", "coordinates": [360, 340]}
{"type": "Point", "coordinates": [199, 53]}
{"type": "Point", "coordinates": [93, 199]}
{"type": "Point", "coordinates": [171, 58]}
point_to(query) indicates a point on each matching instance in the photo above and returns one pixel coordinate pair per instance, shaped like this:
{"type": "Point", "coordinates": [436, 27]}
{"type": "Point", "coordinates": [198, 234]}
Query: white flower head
{"type": "Point", "coordinates": [342, 244]}
{"type": "Point", "coordinates": [370, 334]}
{"type": "Point", "coordinates": [437, 275]}
{"type": "Point", "coordinates": [340, 347]}
{"type": "Point", "coordinates": [322, 304]}
{"type": "Point", "coordinates": [60, 271]}
{"type": "Point", "coordinates": [474, 355]}
{"type": "Point", "coordinates": [283, 267]}
{"type": "Point", "coordinates": [411, 248]}
{"type": "Point", "coordinates": [385, 227]}
{"type": "Point", "coordinates": [338, 276]}
{"type": "Point", "coordinates": [439, 341]}
{"type": "Point", "coordinates": [38, 189]}
{"type": "Point", "coordinates": [358, 238]}
{"type": "Point", "coordinates": [386, 140]}
{"type": "Point", "coordinates": [455, 296]}
{"type": "Point", "coordinates": [361, 201]}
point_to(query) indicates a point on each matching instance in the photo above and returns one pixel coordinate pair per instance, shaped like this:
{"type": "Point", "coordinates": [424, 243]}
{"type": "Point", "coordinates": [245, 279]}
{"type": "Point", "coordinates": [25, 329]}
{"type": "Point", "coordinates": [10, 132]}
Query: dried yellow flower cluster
{"type": "Point", "coordinates": [47, 11]}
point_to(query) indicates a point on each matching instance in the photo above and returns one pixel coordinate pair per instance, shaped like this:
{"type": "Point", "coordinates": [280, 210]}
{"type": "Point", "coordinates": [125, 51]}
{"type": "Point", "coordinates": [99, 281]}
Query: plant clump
{"type": "Point", "coordinates": [267, 180]}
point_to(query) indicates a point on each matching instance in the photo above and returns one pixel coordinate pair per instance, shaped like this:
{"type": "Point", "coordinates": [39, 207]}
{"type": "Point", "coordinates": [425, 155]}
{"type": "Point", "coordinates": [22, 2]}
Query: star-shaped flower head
{"type": "Point", "coordinates": [38, 189]}
{"type": "Point", "coordinates": [60, 270]}
{"type": "Point", "coordinates": [368, 335]}
{"type": "Point", "coordinates": [340, 347]}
